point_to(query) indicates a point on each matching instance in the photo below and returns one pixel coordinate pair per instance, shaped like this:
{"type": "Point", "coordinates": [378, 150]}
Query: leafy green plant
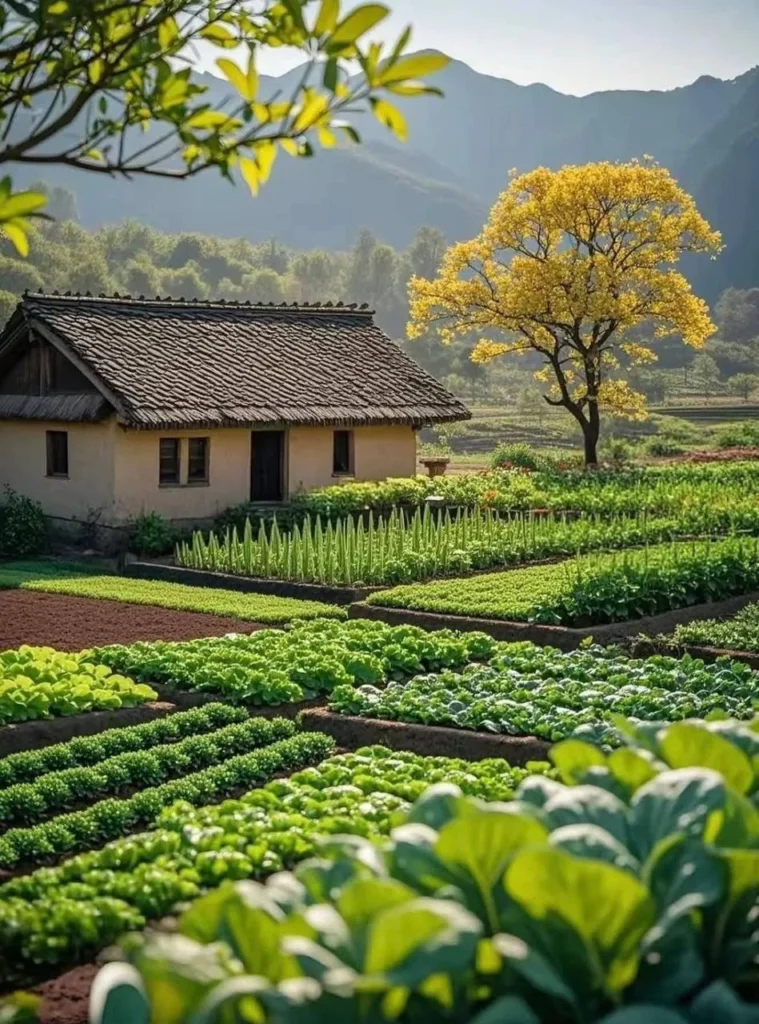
{"type": "Point", "coordinates": [248, 607]}
{"type": "Point", "coordinates": [151, 534]}
{"type": "Point", "coordinates": [19, 1008]}
{"type": "Point", "coordinates": [23, 530]}
{"type": "Point", "coordinates": [739, 633]}
{"type": "Point", "coordinates": [29, 802]}
{"type": "Point", "coordinates": [594, 589]}
{"type": "Point", "coordinates": [628, 898]}
{"type": "Point", "coordinates": [142, 877]}
{"type": "Point", "coordinates": [308, 659]}
{"type": "Point", "coordinates": [29, 765]}
{"type": "Point", "coordinates": [39, 682]}
{"type": "Point", "coordinates": [280, 750]}
{"type": "Point", "coordinates": [538, 691]}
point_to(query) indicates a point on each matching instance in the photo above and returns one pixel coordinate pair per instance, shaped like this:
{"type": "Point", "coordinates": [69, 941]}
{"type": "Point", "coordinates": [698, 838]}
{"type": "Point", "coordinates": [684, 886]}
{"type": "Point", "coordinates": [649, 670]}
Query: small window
{"type": "Point", "coordinates": [168, 468]}
{"type": "Point", "coordinates": [57, 453]}
{"type": "Point", "coordinates": [342, 455]}
{"type": "Point", "coordinates": [197, 460]}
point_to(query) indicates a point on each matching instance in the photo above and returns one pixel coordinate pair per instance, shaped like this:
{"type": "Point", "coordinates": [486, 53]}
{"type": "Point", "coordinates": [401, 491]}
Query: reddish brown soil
{"type": "Point", "coordinates": [73, 623]}
{"type": "Point", "coordinates": [65, 999]}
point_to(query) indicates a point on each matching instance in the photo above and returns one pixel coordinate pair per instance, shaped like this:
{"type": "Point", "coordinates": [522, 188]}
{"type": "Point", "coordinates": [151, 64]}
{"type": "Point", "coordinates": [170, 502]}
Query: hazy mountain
{"type": "Point", "coordinates": [458, 160]}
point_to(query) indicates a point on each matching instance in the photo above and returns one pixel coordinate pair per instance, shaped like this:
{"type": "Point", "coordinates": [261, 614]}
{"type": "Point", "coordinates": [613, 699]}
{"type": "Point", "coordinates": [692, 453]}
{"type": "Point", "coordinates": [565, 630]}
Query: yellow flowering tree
{"type": "Point", "coordinates": [571, 265]}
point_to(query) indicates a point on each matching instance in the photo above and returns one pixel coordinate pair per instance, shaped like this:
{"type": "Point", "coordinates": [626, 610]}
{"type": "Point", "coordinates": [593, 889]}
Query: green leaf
{"type": "Point", "coordinates": [644, 1014]}
{"type": "Point", "coordinates": [573, 758]}
{"type": "Point", "coordinates": [684, 745]}
{"type": "Point", "coordinates": [245, 83]}
{"type": "Point", "coordinates": [408, 943]}
{"type": "Point", "coordinates": [218, 34]}
{"type": "Point", "coordinates": [476, 848]}
{"type": "Point", "coordinates": [680, 801]}
{"type": "Point", "coordinates": [168, 33]}
{"type": "Point", "coordinates": [358, 23]}
{"type": "Point", "coordinates": [608, 909]}
{"type": "Point", "coordinates": [719, 1002]}
{"type": "Point", "coordinates": [534, 968]}
{"type": "Point", "coordinates": [633, 768]}
{"type": "Point", "coordinates": [21, 204]}
{"type": "Point", "coordinates": [16, 232]}
{"type": "Point", "coordinates": [365, 897]}
{"type": "Point", "coordinates": [416, 65]}
{"type": "Point", "coordinates": [439, 804]}
{"type": "Point", "coordinates": [509, 1009]}
{"type": "Point", "coordinates": [391, 117]}
{"type": "Point", "coordinates": [327, 18]}
{"type": "Point", "coordinates": [586, 840]}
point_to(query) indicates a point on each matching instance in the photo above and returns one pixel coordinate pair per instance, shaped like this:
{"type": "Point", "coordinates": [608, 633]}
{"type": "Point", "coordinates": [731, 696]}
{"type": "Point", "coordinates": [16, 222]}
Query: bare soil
{"type": "Point", "coordinates": [74, 623]}
{"type": "Point", "coordinates": [65, 999]}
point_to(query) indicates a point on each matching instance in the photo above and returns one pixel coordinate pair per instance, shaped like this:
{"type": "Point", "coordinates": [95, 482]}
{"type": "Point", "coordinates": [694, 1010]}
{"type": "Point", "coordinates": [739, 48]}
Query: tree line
{"type": "Point", "coordinates": [132, 258]}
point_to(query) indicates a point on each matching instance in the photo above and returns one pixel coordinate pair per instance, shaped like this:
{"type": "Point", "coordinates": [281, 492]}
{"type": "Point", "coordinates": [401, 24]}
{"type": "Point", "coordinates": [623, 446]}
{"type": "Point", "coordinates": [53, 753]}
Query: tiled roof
{"type": "Point", "coordinates": [172, 363]}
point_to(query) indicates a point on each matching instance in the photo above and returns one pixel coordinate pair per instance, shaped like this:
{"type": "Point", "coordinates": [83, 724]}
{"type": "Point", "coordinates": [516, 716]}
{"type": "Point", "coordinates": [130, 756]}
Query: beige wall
{"type": "Point", "coordinates": [90, 483]}
{"type": "Point", "coordinates": [378, 453]}
{"type": "Point", "coordinates": [136, 474]}
{"type": "Point", "coordinates": [115, 470]}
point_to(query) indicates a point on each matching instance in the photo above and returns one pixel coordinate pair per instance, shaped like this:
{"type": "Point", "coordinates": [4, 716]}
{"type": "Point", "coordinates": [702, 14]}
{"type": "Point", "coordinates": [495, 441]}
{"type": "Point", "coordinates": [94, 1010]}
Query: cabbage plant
{"type": "Point", "coordinates": [628, 893]}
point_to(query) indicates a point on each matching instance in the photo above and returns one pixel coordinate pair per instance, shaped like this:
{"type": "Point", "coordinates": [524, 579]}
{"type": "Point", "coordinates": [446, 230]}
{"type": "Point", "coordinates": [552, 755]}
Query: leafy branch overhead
{"type": "Point", "coordinates": [109, 86]}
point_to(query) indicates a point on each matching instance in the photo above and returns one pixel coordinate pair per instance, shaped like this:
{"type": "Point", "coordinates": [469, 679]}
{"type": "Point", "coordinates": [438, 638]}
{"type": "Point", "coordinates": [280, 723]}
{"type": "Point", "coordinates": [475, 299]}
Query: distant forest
{"type": "Point", "coordinates": [134, 259]}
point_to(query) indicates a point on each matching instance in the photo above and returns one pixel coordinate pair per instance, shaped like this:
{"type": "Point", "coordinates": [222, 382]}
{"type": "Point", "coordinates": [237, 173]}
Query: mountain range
{"type": "Point", "coordinates": [458, 158]}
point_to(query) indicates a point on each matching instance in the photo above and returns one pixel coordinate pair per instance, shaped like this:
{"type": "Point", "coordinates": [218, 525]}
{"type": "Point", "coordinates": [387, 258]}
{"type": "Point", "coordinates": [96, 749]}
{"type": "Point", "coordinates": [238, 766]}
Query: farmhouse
{"type": "Point", "coordinates": [121, 405]}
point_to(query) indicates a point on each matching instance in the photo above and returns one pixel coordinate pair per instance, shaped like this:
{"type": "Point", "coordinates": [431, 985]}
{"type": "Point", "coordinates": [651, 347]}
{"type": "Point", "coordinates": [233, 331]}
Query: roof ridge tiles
{"type": "Point", "coordinates": [352, 308]}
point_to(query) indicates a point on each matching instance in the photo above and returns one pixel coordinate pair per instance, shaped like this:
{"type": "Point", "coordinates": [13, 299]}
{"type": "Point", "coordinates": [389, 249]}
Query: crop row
{"type": "Point", "coordinates": [276, 666]}
{"type": "Point", "coordinates": [626, 895]}
{"type": "Point", "coordinates": [30, 765]}
{"type": "Point", "coordinates": [594, 589]}
{"type": "Point", "coordinates": [714, 497]}
{"type": "Point", "coordinates": [739, 633]}
{"type": "Point", "coordinates": [29, 802]}
{"type": "Point", "coordinates": [59, 914]}
{"type": "Point", "coordinates": [38, 682]}
{"type": "Point", "coordinates": [402, 548]}
{"type": "Point", "coordinates": [264, 608]}
{"type": "Point", "coordinates": [108, 819]}
{"type": "Point", "coordinates": [528, 690]}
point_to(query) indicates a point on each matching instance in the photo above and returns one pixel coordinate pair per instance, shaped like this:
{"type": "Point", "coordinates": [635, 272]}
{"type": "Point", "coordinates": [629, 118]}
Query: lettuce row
{"type": "Point", "coordinates": [195, 849]}
{"type": "Point", "coordinates": [109, 819]}
{"type": "Point", "coordinates": [81, 751]}
{"type": "Point", "coordinates": [626, 894]}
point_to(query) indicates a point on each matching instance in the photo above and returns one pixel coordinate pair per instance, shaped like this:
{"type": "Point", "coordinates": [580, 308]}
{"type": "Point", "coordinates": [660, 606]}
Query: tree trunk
{"type": "Point", "coordinates": [591, 429]}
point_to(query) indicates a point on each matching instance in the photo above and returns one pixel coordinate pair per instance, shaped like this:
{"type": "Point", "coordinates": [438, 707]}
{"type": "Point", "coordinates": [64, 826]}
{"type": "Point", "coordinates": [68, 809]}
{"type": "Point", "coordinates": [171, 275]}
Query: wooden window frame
{"type": "Point", "coordinates": [53, 454]}
{"type": "Point", "coordinates": [351, 469]}
{"type": "Point", "coordinates": [176, 442]}
{"type": "Point", "coordinates": [205, 480]}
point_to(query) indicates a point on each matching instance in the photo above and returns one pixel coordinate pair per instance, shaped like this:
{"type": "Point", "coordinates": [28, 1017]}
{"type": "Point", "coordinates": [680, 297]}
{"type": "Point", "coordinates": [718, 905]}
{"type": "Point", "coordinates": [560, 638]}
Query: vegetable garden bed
{"type": "Point", "coordinates": [563, 637]}
{"type": "Point", "coordinates": [351, 732]}
{"type": "Point", "coordinates": [59, 916]}
{"type": "Point", "coordinates": [44, 732]}
{"type": "Point", "coordinates": [74, 623]}
{"type": "Point", "coordinates": [247, 584]}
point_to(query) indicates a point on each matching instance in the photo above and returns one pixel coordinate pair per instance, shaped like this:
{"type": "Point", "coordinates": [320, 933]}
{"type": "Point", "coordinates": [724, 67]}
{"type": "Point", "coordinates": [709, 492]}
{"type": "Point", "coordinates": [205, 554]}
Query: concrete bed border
{"type": "Point", "coordinates": [248, 584]}
{"type": "Point", "coordinates": [563, 637]}
{"type": "Point", "coordinates": [351, 732]}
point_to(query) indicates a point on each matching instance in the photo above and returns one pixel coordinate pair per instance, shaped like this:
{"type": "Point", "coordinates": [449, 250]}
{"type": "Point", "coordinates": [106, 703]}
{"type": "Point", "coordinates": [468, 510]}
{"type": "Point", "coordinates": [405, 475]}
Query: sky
{"type": "Point", "coordinates": [581, 46]}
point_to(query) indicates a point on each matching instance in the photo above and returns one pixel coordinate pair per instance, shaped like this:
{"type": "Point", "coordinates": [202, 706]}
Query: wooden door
{"type": "Point", "coordinates": [267, 448]}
